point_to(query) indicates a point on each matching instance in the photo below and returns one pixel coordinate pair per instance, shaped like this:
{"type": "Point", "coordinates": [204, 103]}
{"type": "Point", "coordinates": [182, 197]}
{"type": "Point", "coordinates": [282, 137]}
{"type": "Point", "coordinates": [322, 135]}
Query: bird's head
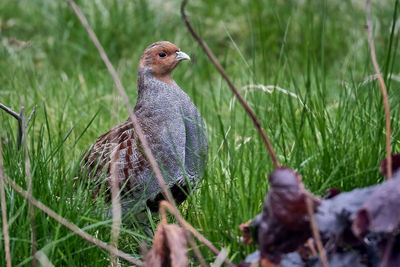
{"type": "Point", "coordinates": [160, 59]}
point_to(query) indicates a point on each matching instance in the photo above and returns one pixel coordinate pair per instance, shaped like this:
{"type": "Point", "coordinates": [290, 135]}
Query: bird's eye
{"type": "Point", "coordinates": [162, 54]}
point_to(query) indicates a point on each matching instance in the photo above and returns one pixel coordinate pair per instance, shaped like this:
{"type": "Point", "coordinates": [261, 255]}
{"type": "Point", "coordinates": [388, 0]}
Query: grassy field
{"type": "Point", "coordinates": [330, 128]}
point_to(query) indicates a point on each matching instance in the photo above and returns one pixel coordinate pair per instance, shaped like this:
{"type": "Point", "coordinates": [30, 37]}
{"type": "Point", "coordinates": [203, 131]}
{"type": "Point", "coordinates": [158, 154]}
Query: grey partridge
{"type": "Point", "coordinates": [174, 130]}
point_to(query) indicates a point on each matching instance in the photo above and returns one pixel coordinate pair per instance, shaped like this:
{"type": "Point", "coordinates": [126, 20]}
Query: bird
{"type": "Point", "coordinates": [173, 127]}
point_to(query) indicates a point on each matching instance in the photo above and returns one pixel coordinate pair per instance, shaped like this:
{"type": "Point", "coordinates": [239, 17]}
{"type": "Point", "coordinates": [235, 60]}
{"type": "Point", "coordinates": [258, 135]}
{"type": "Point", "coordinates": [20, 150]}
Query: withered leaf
{"type": "Point", "coordinates": [395, 164]}
{"type": "Point", "coordinates": [331, 192]}
{"type": "Point", "coordinates": [250, 230]}
{"type": "Point", "coordinates": [286, 198]}
{"type": "Point", "coordinates": [380, 212]}
{"type": "Point", "coordinates": [335, 215]}
{"type": "Point", "coordinates": [245, 229]}
{"type": "Point", "coordinates": [169, 247]}
{"type": "Point", "coordinates": [285, 222]}
{"type": "Point", "coordinates": [358, 228]}
{"type": "Point", "coordinates": [379, 219]}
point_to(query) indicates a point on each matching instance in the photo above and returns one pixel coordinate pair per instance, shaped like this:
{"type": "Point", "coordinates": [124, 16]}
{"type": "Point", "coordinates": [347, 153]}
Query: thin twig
{"type": "Point", "coordinates": [20, 126]}
{"type": "Point", "coordinates": [31, 115]}
{"type": "Point", "coordinates": [9, 111]}
{"type": "Point", "coordinates": [165, 205]}
{"type": "Point", "coordinates": [4, 211]}
{"type": "Point", "coordinates": [70, 225]}
{"type": "Point", "coordinates": [221, 70]}
{"type": "Point", "coordinates": [18, 117]}
{"type": "Point", "coordinates": [28, 179]}
{"type": "Point", "coordinates": [382, 87]}
{"type": "Point", "coordinates": [136, 125]}
{"type": "Point", "coordinates": [116, 209]}
{"type": "Point", "coordinates": [315, 231]}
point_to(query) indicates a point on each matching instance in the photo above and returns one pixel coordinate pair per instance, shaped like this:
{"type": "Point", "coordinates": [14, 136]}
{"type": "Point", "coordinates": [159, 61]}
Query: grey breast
{"type": "Point", "coordinates": [176, 133]}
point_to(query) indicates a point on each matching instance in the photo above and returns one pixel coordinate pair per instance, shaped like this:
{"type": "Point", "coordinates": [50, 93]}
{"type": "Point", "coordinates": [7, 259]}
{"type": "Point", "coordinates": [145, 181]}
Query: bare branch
{"type": "Point", "coordinates": [70, 225]}
{"type": "Point", "coordinates": [315, 231]}
{"type": "Point", "coordinates": [9, 111]}
{"type": "Point", "coordinates": [20, 127]}
{"type": "Point", "coordinates": [31, 115]}
{"type": "Point", "coordinates": [382, 87]}
{"type": "Point", "coordinates": [221, 70]}
{"type": "Point", "coordinates": [4, 212]}
{"type": "Point", "coordinates": [18, 117]}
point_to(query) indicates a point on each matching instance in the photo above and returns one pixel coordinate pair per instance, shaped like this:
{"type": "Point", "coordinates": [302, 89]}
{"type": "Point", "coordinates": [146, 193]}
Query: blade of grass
{"type": "Point", "coordinates": [43, 259]}
{"type": "Point", "coordinates": [116, 207]}
{"type": "Point", "coordinates": [388, 57]}
{"type": "Point", "coordinates": [4, 212]}
{"type": "Point", "coordinates": [85, 129]}
{"type": "Point", "coordinates": [28, 179]}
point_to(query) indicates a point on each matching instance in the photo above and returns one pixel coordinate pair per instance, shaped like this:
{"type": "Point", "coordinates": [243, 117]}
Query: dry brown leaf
{"type": "Point", "coordinates": [286, 198]}
{"type": "Point", "coordinates": [169, 247]}
{"type": "Point", "coordinates": [379, 213]}
{"type": "Point", "coordinates": [395, 164]}
{"type": "Point", "coordinates": [245, 229]}
{"type": "Point", "coordinates": [266, 263]}
{"type": "Point", "coordinates": [285, 221]}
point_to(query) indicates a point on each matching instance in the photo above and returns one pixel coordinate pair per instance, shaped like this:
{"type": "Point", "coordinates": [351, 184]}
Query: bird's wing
{"type": "Point", "coordinates": [131, 166]}
{"type": "Point", "coordinates": [117, 146]}
{"type": "Point", "coordinates": [97, 156]}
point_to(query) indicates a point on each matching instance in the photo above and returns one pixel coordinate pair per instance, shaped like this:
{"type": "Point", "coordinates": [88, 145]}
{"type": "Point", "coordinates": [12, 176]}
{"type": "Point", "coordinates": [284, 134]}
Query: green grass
{"type": "Point", "coordinates": [318, 50]}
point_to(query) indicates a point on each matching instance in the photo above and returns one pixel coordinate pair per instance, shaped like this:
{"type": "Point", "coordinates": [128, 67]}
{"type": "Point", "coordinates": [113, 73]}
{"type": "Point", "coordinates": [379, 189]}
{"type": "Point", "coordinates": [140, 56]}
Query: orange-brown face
{"type": "Point", "coordinates": [162, 58]}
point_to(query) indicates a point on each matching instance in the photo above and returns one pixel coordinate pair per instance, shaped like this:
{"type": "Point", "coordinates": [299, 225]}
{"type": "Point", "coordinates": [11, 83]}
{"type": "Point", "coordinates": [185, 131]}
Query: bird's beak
{"type": "Point", "coordinates": [181, 56]}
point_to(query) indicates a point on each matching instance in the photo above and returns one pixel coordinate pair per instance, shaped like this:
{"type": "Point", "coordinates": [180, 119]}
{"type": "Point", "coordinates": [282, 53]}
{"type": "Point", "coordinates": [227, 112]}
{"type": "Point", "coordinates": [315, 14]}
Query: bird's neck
{"type": "Point", "coordinates": [165, 79]}
{"type": "Point", "coordinates": [146, 78]}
